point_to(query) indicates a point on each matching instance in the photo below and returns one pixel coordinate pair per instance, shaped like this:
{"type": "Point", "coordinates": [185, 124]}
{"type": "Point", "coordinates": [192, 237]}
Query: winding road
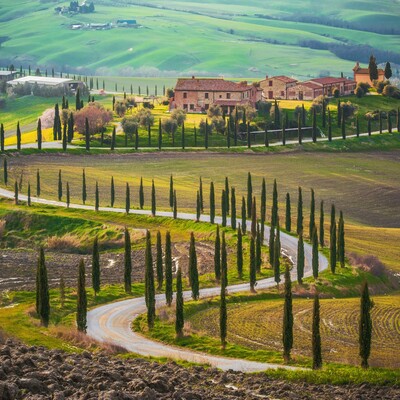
{"type": "Point", "coordinates": [111, 323]}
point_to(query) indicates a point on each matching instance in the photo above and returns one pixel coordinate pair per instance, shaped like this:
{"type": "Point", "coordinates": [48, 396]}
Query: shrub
{"type": "Point", "coordinates": [202, 127]}
{"type": "Point", "coordinates": [359, 92]}
{"type": "Point", "coordinates": [145, 118]}
{"type": "Point", "coordinates": [214, 111]}
{"type": "Point", "coordinates": [64, 244]}
{"type": "Point", "coordinates": [169, 126]}
{"type": "Point", "coordinates": [120, 108]}
{"type": "Point", "coordinates": [264, 108]}
{"type": "Point", "coordinates": [391, 91]}
{"type": "Point", "coordinates": [130, 125]}
{"type": "Point", "coordinates": [97, 116]}
{"type": "Point", "coordinates": [380, 86]}
{"type": "Point", "coordinates": [179, 116]}
{"type": "Point", "coordinates": [218, 123]}
{"type": "Point", "coordinates": [348, 109]}
{"type": "Point", "coordinates": [368, 263]}
{"type": "Point", "coordinates": [336, 93]}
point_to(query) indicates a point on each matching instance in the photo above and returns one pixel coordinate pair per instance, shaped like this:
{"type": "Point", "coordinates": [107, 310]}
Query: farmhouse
{"type": "Point", "coordinates": [361, 75]}
{"type": "Point", "coordinates": [197, 94]}
{"type": "Point", "coordinates": [7, 75]}
{"type": "Point", "coordinates": [276, 87]}
{"type": "Point", "coordinates": [305, 91]}
{"type": "Point", "coordinates": [47, 81]}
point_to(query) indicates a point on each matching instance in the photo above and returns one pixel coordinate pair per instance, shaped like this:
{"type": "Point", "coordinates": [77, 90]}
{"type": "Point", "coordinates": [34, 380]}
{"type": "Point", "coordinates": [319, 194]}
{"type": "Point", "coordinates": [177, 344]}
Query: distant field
{"type": "Point", "coordinates": [191, 37]}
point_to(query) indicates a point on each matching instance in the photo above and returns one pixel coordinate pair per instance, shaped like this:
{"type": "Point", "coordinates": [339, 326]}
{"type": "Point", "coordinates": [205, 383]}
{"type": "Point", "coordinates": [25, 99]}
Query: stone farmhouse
{"type": "Point", "coordinates": [48, 81]}
{"type": "Point", "coordinates": [197, 94]}
{"type": "Point", "coordinates": [276, 87]}
{"type": "Point", "coordinates": [361, 75]}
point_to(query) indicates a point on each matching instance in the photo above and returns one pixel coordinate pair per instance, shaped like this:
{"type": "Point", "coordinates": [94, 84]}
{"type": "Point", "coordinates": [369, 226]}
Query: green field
{"type": "Point", "coordinates": [190, 37]}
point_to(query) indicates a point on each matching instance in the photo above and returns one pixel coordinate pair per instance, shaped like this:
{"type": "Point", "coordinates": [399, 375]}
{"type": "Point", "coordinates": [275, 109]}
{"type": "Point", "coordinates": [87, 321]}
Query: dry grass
{"type": "Point", "coordinates": [67, 243]}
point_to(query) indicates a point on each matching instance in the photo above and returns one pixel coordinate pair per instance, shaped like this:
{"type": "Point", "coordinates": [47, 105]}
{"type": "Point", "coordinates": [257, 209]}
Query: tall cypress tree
{"type": "Point", "coordinates": [2, 137]}
{"type": "Point", "coordinates": [227, 206]}
{"type": "Point", "coordinates": [56, 121]}
{"type": "Point", "coordinates": [159, 262]}
{"type": "Point", "coordinates": [287, 334]}
{"type": "Point", "coordinates": [193, 272]}
{"type": "Point", "coordinates": [201, 195]}
{"type": "Point", "coordinates": [212, 203]}
{"type": "Point", "coordinates": [217, 255]}
{"type": "Point", "coordinates": [357, 127]}
{"type": "Point", "coordinates": [171, 191]}
{"type": "Point", "coordinates": [274, 210]}
{"type": "Point", "coordinates": [224, 260]}
{"type": "Point", "coordinates": [179, 313]}
{"type": "Point", "coordinates": [332, 249]}
{"type": "Point", "coordinates": [206, 136]}
{"type": "Point", "coordinates": [315, 254]}
{"type": "Point", "coordinates": [127, 198]}
{"type": "Point", "coordinates": [198, 207]}
{"type": "Point", "coordinates": [258, 249]}
{"type": "Point", "coordinates": [365, 326]}
{"type": "Point", "coordinates": [312, 214]}
{"type": "Point", "coordinates": [248, 136]}
{"type": "Point", "coordinates": [271, 245]}
{"type": "Point", "coordinates": [81, 309]}
{"type": "Point", "coordinates": [343, 127]}
{"type": "Point", "coordinates": [339, 113]}
{"type": "Point", "coordinates": [84, 192]}
{"type": "Point", "coordinates": [64, 137]}
{"type": "Point", "coordinates": [321, 225]}
{"type": "Point", "coordinates": [70, 127]}
{"type": "Point", "coordinates": [16, 193]}
{"type": "Point", "coordinates": [253, 218]}
{"type": "Point", "coordinates": [283, 132]}
{"type": "Point", "coordinates": [233, 208]}
{"type": "Point", "coordinates": [37, 183]}
{"type": "Point", "coordinates": [373, 68]}
{"type": "Point", "coordinates": [127, 262]}
{"type": "Point", "coordinates": [96, 266]}
{"type": "Point", "coordinates": [323, 113]}
{"type": "Point", "coordinates": [96, 197]}
{"type": "Point", "coordinates": [239, 253]}
{"type": "Point", "coordinates": [149, 284]}
{"type": "Point", "coordinates": [249, 194]}
{"type": "Point", "coordinates": [253, 266]}
{"type": "Point", "coordinates": [300, 259]}
{"type": "Point", "coordinates": [42, 290]}
{"type": "Point", "coordinates": [277, 256]}
{"type": "Point", "coordinates": [175, 208]}
{"type": "Point", "coordinates": [398, 119]}
{"type": "Point", "coordinates": [244, 224]}
{"type": "Point", "coordinates": [314, 125]}
{"type": "Point", "coordinates": [299, 129]}
{"type": "Point", "coordinates": [288, 219]}
{"type": "Point", "coordinates": [141, 194]}
{"type": "Point", "coordinates": [223, 316]}
{"type": "Point", "coordinates": [29, 194]}
{"type": "Point", "coordinates": [316, 335]}
{"type": "Point", "coordinates": [341, 241]}
{"type": "Point", "coordinates": [18, 137]}
{"type": "Point", "coordinates": [263, 207]}
{"type": "Point", "coordinates": [329, 125]}
{"type": "Point", "coordinates": [168, 270]}
{"type": "Point", "coordinates": [68, 196]}
{"type": "Point", "coordinates": [153, 199]}
{"type": "Point", "coordinates": [112, 192]}
{"type": "Point", "coordinates": [39, 134]}
{"type": "Point", "coordinates": [60, 186]}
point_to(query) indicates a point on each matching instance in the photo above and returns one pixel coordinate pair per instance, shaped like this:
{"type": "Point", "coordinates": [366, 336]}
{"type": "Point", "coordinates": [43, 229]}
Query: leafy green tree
{"type": "Point", "coordinates": [96, 266]}
{"type": "Point", "coordinates": [168, 269]}
{"type": "Point", "coordinates": [365, 326]}
{"type": "Point", "coordinates": [288, 220]}
{"type": "Point", "coordinates": [149, 284]}
{"type": "Point", "coordinates": [239, 253]}
{"type": "Point", "coordinates": [42, 290]}
{"type": "Point", "coordinates": [300, 212]}
{"type": "Point", "coordinates": [193, 272]}
{"type": "Point", "coordinates": [249, 194]}
{"type": "Point", "coordinates": [159, 262]}
{"type": "Point", "coordinates": [212, 203]}
{"type": "Point", "coordinates": [316, 335]}
{"type": "Point", "coordinates": [179, 313]}
{"type": "Point", "coordinates": [127, 262]}
{"type": "Point", "coordinates": [81, 309]}
{"type": "Point", "coordinates": [217, 255]}
{"type": "Point", "coordinates": [287, 336]}
{"type": "Point", "coordinates": [300, 259]}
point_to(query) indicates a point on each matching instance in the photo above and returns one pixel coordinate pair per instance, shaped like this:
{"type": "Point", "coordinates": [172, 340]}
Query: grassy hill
{"type": "Point", "coordinates": [302, 38]}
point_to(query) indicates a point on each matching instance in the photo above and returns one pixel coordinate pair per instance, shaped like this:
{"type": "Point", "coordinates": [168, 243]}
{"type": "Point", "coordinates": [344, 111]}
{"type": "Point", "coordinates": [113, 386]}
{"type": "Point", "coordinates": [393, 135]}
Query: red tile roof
{"type": "Point", "coordinates": [328, 80]}
{"type": "Point", "coordinates": [284, 79]}
{"type": "Point", "coordinates": [210, 85]}
{"type": "Point", "coordinates": [310, 85]}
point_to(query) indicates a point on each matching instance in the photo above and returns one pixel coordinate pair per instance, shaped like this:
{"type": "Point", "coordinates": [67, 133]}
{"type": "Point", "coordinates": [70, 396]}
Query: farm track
{"type": "Point", "coordinates": [112, 322]}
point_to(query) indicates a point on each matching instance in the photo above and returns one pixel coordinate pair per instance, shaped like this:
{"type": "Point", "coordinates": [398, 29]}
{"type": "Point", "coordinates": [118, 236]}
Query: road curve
{"type": "Point", "coordinates": [112, 322]}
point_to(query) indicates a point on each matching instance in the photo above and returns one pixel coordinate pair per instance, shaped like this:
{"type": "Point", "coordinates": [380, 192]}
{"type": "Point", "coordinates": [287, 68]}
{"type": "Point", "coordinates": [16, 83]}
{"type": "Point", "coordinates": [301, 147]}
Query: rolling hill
{"type": "Point", "coordinates": [214, 37]}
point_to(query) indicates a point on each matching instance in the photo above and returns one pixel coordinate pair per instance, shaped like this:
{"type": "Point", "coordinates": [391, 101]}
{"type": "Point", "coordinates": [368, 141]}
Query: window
{"type": "Point", "coordinates": [185, 106]}
{"type": "Point", "coordinates": [282, 93]}
{"type": "Point", "coordinates": [220, 96]}
{"type": "Point", "coordinates": [192, 106]}
{"type": "Point", "coordinates": [228, 95]}
{"type": "Point", "coordinates": [185, 95]}
{"type": "Point", "coordinates": [206, 106]}
{"type": "Point", "coordinates": [206, 95]}
{"type": "Point", "coordinates": [270, 83]}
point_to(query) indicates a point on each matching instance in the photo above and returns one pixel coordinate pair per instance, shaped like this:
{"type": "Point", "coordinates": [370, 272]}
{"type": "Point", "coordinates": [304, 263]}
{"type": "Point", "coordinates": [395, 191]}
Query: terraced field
{"type": "Point", "coordinates": [258, 325]}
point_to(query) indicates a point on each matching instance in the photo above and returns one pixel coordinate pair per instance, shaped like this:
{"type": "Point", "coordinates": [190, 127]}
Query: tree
{"type": "Point", "coordinates": [42, 290]}
{"type": "Point", "coordinates": [29, 194]}
{"type": "Point", "coordinates": [16, 193]}
{"type": "Point", "coordinates": [223, 316]}
{"type": "Point", "coordinates": [315, 254]}
{"type": "Point", "coordinates": [217, 255]}
{"type": "Point", "coordinates": [343, 128]}
{"type": "Point", "coordinates": [263, 207]}
{"type": "Point", "coordinates": [149, 284]}
{"type": "Point", "coordinates": [193, 272]}
{"type": "Point", "coordinates": [277, 256]}
{"type": "Point", "coordinates": [68, 196]}
{"type": "Point", "coordinates": [233, 208]}
{"type": "Point", "coordinates": [312, 214]}
{"type": "Point", "coordinates": [212, 203]}
{"type": "Point", "coordinates": [365, 326]}
{"type": "Point", "coordinates": [171, 191]}
{"type": "Point", "coordinates": [60, 186]}
{"type": "Point", "coordinates": [253, 266]}
{"type": "Point", "coordinates": [78, 100]}
{"type": "Point", "coordinates": [153, 199]}
{"type": "Point", "coordinates": [81, 309]}
{"type": "Point", "coordinates": [198, 207]}
{"type": "Point", "coordinates": [39, 134]}
{"type": "Point", "coordinates": [253, 218]}
{"type": "Point", "coordinates": [56, 122]}
{"type": "Point", "coordinates": [239, 253]}
{"type": "Point", "coordinates": [227, 195]}
{"type": "Point", "coordinates": [201, 195]}
{"type": "Point", "coordinates": [287, 336]}
{"type": "Point", "coordinates": [175, 208]}
{"type": "Point", "coordinates": [96, 115]}
{"type": "Point", "coordinates": [127, 262]}
{"type": "Point", "coordinates": [274, 211]}
{"type": "Point", "coordinates": [321, 225]}
{"type": "Point", "coordinates": [1, 137]}
{"type": "Point", "coordinates": [316, 335]}
{"type": "Point", "coordinates": [168, 269]}
{"type": "Point", "coordinates": [179, 314]}
{"type": "Point", "coordinates": [18, 136]}
{"type": "Point", "coordinates": [223, 208]}
{"type": "Point", "coordinates": [258, 249]}
{"type": "Point", "coordinates": [127, 198]}
{"type": "Point", "coordinates": [339, 113]}
{"type": "Point", "coordinates": [112, 192]}
{"type": "Point", "coordinates": [249, 195]}
{"type": "Point", "coordinates": [332, 249]}
{"type": "Point", "coordinates": [96, 267]}
{"type": "Point", "coordinates": [84, 193]}
{"type": "Point", "coordinates": [373, 68]}
{"type": "Point", "coordinates": [341, 241]}
{"type": "Point", "coordinates": [64, 137]}
{"type": "Point", "coordinates": [300, 259]}
{"type": "Point", "coordinates": [314, 125]}
{"type": "Point", "coordinates": [130, 126]}
{"type": "Point", "coordinates": [159, 262]}
{"type": "Point", "coordinates": [288, 220]}
{"type": "Point", "coordinates": [244, 224]}
{"type": "Point", "coordinates": [224, 260]}
{"type": "Point", "coordinates": [300, 212]}
{"type": "Point", "coordinates": [271, 243]}
{"type": "Point", "coordinates": [96, 197]}
{"type": "Point", "coordinates": [141, 194]}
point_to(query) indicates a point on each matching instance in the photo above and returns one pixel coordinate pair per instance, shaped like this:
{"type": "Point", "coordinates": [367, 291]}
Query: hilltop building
{"type": "Point", "coordinates": [197, 94]}
{"type": "Point", "coordinates": [276, 87]}
{"type": "Point", "coordinates": [48, 81]}
{"type": "Point", "coordinates": [361, 75]}
{"type": "Point", "coordinates": [7, 75]}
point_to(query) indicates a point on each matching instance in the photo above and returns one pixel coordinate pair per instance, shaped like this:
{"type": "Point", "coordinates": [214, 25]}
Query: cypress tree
{"type": "Point", "coordinates": [277, 256]}
{"type": "Point", "coordinates": [314, 125]}
{"type": "Point", "coordinates": [239, 253]}
{"type": "Point", "coordinates": [303, 115]}
{"type": "Point", "coordinates": [149, 284]}
{"type": "Point", "coordinates": [42, 291]}
{"type": "Point", "coordinates": [223, 316]}
{"type": "Point", "coordinates": [16, 193]}
{"type": "Point", "coordinates": [113, 138]}
{"type": "Point", "coordinates": [64, 137]}
{"type": "Point", "coordinates": [227, 195]}
{"type": "Point", "coordinates": [37, 183]}
{"type": "Point", "coordinates": [244, 224]}
{"type": "Point", "coordinates": [316, 335]}
{"type": "Point", "coordinates": [193, 272]}
{"type": "Point", "coordinates": [179, 313]}
{"type": "Point", "coordinates": [39, 134]}
{"type": "Point", "coordinates": [175, 209]}
{"type": "Point", "coordinates": [206, 136]}
{"type": "Point", "coordinates": [171, 191]}
{"type": "Point", "coordinates": [389, 123]}
{"type": "Point", "coordinates": [341, 241]}
{"type": "Point", "coordinates": [299, 132]}
{"type": "Point", "coordinates": [5, 171]}
{"type": "Point", "coordinates": [18, 137]}
{"type": "Point", "coordinates": [2, 137]}
{"type": "Point", "coordinates": [324, 113]}
{"type": "Point", "coordinates": [127, 198]}
{"type": "Point", "coordinates": [263, 207]}
{"type": "Point", "coordinates": [365, 326]}
{"type": "Point", "coordinates": [398, 119]}
{"type": "Point", "coordinates": [343, 128]}
{"type": "Point", "coordinates": [248, 136]}
{"type": "Point", "coordinates": [153, 199]}
{"type": "Point", "coordinates": [271, 245]}
{"type": "Point", "coordinates": [274, 211]}
{"type": "Point", "coordinates": [224, 260]}
{"type": "Point", "coordinates": [253, 218]}
{"type": "Point", "coordinates": [287, 334]}
{"type": "Point", "coordinates": [78, 101]}
{"type": "Point", "coordinates": [321, 225]}
{"type": "Point", "coordinates": [127, 262]}
{"type": "Point", "coordinates": [217, 255]}
{"type": "Point", "coordinates": [223, 208]}
{"type": "Point", "coordinates": [168, 270]}
{"type": "Point", "coordinates": [29, 194]}
{"type": "Point", "coordinates": [249, 195]}
{"type": "Point", "coordinates": [201, 195]}
{"type": "Point", "coordinates": [60, 187]}
{"type": "Point", "coordinates": [339, 113]}
{"type": "Point", "coordinates": [96, 267]}
{"type": "Point", "coordinates": [288, 220]}
{"type": "Point", "coordinates": [112, 192]}
{"type": "Point", "coordinates": [96, 197]}
{"type": "Point", "coordinates": [253, 266]}
{"type": "Point", "coordinates": [159, 262]}
{"type": "Point", "coordinates": [329, 125]}
{"type": "Point", "coordinates": [70, 127]}
{"type": "Point", "coordinates": [56, 121]}
{"type": "Point", "coordinates": [84, 193]}
{"type": "Point", "coordinates": [141, 194]}
{"type": "Point", "coordinates": [373, 68]}
{"type": "Point", "coordinates": [198, 207]}
{"type": "Point", "coordinates": [258, 249]}
{"type": "Point", "coordinates": [183, 136]}
{"type": "Point", "coordinates": [233, 208]}
{"type": "Point", "coordinates": [312, 214]}
{"type": "Point", "coordinates": [81, 309]}
{"type": "Point", "coordinates": [300, 259]}
{"type": "Point", "coordinates": [266, 140]}
{"type": "Point", "coordinates": [283, 132]}
{"type": "Point", "coordinates": [315, 255]}
{"type": "Point", "coordinates": [332, 249]}
{"type": "Point", "coordinates": [212, 203]}
{"type": "Point", "coordinates": [68, 199]}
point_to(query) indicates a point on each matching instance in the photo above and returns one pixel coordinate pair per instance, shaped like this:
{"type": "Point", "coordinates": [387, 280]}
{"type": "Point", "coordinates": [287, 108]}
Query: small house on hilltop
{"type": "Point", "coordinates": [7, 75]}
{"type": "Point", "coordinates": [361, 75]}
{"type": "Point", "coordinates": [276, 87]}
{"type": "Point", "coordinates": [197, 94]}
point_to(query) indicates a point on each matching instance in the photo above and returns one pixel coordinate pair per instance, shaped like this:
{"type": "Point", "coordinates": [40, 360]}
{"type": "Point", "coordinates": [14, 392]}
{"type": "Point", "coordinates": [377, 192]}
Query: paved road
{"type": "Point", "coordinates": [112, 322]}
